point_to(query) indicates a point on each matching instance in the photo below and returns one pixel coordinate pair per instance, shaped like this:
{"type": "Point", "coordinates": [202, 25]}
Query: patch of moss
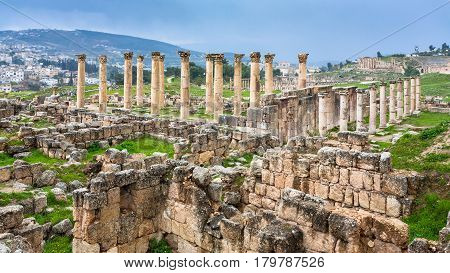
{"type": "Point", "coordinates": [159, 246]}
{"type": "Point", "coordinates": [58, 244]}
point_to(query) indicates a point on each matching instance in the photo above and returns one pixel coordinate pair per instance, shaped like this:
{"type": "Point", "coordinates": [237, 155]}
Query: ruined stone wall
{"type": "Point", "coordinates": [10, 107]}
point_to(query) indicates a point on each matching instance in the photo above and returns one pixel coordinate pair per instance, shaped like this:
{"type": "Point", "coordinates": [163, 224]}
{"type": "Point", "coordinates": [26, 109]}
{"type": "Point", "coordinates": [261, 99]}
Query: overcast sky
{"type": "Point", "coordinates": [328, 30]}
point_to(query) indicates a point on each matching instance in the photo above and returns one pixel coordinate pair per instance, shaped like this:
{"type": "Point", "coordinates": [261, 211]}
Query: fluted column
{"type": "Point", "coordinates": [162, 99]}
{"type": "Point", "coordinates": [81, 78]}
{"type": "Point", "coordinates": [102, 96]}
{"type": "Point", "coordinates": [392, 101]}
{"type": "Point", "coordinates": [154, 96]}
{"type": "Point", "coordinates": [140, 81]}
{"type": "Point", "coordinates": [268, 76]}
{"type": "Point", "coordinates": [343, 110]}
{"type": "Point", "coordinates": [412, 95]}
{"type": "Point", "coordinates": [372, 109]}
{"type": "Point", "coordinates": [322, 112]}
{"type": "Point", "coordinates": [302, 58]}
{"type": "Point", "coordinates": [406, 97]}
{"type": "Point", "coordinates": [185, 82]}
{"type": "Point", "coordinates": [218, 86]}
{"type": "Point", "coordinates": [359, 109]}
{"type": "Point", "coordinates": [352, 103]}
{"type": "Point", "coordinates": [418, 93]}
{"type": "Point", "coordinates": [209, 85]}
{"type": "Point", "coordinates": [382, 105]}
{"type": "Point", "coordinates": [237, 84]}
{"type": "Point", "coordinates": [127, 79]}
{"type": "Point", "coordinates": [254, 79]}
{"type": "Point", "coordinates": [399, 100]}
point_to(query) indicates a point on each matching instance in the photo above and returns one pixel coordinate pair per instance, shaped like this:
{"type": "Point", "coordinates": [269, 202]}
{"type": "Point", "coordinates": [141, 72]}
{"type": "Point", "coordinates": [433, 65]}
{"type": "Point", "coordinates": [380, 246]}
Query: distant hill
{"type": "Point", "coordinates": [94, 43]}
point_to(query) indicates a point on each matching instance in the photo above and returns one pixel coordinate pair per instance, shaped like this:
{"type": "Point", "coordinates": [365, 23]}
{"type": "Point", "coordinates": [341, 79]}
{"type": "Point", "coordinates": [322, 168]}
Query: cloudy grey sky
{"type": "Point", "coordinates": [330, 30]}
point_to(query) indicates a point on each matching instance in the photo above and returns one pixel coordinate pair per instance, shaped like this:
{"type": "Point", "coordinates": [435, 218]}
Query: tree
{"type": "Point", "coordinates": [379, 54]}
{"type": "Point", "coordinates": [432, 48]}
{"type": "Point", "coordinates": [416, 49]}
{"type": "Point", "coordinates": [71, 79]}
{"type": "Point", "coordinates": [329, 66]}
{"type": "Point", "coordinates": [411, 71]}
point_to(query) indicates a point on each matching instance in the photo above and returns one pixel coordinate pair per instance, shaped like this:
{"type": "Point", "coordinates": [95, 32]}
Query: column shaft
{"type": "Point", "coordinates": [372, 110]}
{"type": "Point", "coordinates": [140, 81]}
{"type": "Point", "coordinates": [322, 113]}
{"type": "Point", "coordinates": [218, 86]}
{"type": "Point", "coordinates": [418, 93]}
{"type": "Point", "coordinates": [209, 85]}
{"type": "Point", "coordinates": [343, 111]}
{"type": "Point", "coordinates": [127, 79]}
{"type": "Point", "coordinates": [359, 109]}
{"type": "Point", "coordinates": [162, 99]}
{"type": "Point", "coordinates": [185, 82]}
{"type": "Point", "coordinates": [254, 79]}
{"type": "Point", "coordinates": [237, 84]}
{"type": "Point", "coordinates": [406, 97]}
{"type": "Point", "coordinates": [392, 101]}
{"type": "Point", "coordinates": [268, 74]}
{"type": "Point", "coordinates": [154, 96]}
{"type": "Point", "coordinates": [302, 58]}
{"type": "Point", "coordinates": [399, 100]}
{"type": "Point", "coordinates": [81, 78]}
{"type": "Point", "coordinates": [382, 105]}
{"type": "Point", "coordinates": [412, 98]}
{"type": "Point", "coordinates": [102, 96]}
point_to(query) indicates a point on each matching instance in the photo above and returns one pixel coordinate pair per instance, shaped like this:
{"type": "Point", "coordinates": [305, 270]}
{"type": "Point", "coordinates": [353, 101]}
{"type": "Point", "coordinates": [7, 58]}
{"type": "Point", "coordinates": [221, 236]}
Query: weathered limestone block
{"type": "Point", "coordinates": [10, 216]}
{"type": "Point", "coordinates": [368, 161]}
{"type": "Point", "coordinates": [327, 155]}
{"type": "Point", "coordinates": [378, 202]}
{"type": "Point", "coordinates": [391, 230]}
{"type": "Point", "coordinates": [34, 235]}
{"type": "Point", "coordinates": [279, 237]}
{"type": "Point", "coordinates": [5, 174]}
{"type": "Point", "coordinates": [395, 184]}
{"type": "Point", "coordinates": [344, 227]}
{"type": "Point", "coordinates": [393, 207]}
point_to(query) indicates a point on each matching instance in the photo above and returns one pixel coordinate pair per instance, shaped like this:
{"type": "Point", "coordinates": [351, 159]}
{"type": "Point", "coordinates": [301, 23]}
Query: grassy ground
{"type": "Point", "coordinates": [145, 145]}
{"type": "Point", "coordinates": [61, 210]}
{"type": "Point", "coordinates": [58, 244]}
{"type": "Point", "coordinates": [159, 246]}
{"type": "Point", "coordinates": [245, 160]}
{"type": "Point", "coordinates": [8, 198]}
{"type": "Point", "coordinates": [429, 218]}
{"type": "Point", "coordinates": [435, 84]}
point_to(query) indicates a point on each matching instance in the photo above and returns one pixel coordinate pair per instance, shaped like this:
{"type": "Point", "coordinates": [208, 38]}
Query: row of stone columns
{"type": "Point", "coordinates": [157, 85]}
{"type": "Point", "coordinates": [404, 100]}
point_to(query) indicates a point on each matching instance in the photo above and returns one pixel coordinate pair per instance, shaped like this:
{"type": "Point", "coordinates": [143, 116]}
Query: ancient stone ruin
{"type": "Point", "coordinates": [302, 192]}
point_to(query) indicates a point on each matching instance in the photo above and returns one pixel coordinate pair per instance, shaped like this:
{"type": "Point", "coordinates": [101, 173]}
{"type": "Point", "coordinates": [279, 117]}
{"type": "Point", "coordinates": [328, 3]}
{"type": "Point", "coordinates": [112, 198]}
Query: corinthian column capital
{"type": "Point", "coordinates": [269, 57]}
{"type": "Point", "coordinates": [302, 57]}
{"type": "Point", "coordinates": [128, 55]}
{"type": "Point", "coordinates": [255, 57]}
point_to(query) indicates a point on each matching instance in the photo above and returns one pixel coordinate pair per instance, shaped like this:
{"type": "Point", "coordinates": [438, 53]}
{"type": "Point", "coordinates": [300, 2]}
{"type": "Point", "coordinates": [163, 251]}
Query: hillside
{"type": "Point", "coordinates": [93, 44]}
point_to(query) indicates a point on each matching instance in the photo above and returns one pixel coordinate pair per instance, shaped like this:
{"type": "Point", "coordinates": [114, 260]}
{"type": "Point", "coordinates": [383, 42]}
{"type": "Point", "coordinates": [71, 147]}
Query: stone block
{"type": "Point", "coordinates": [395, 184]}
{"type": "Point", "coordinates": [377, 202]}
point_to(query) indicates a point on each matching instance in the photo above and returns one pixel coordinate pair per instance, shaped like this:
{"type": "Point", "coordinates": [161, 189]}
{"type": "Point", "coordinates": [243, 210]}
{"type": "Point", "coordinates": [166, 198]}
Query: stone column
{"type": "Point", "coordinates": [254, 79]}
{"type": "Point", "coordinates": [330, 108]}
{"type": "Point", "coordinates": [343, 111]}
{"type": "Point", "coordinates": [268, 85]}
{"type": "Point", "coordinates": [81, 78]}
{"type": "Point", "coordinates": [218, 86]}
{"type": "Point", "coordinates": [352, 103]}
{"type": "Point", "coordinates": [154, 96]}
{"type": "Point", "coordinates": [392, 102]}
{"type": "Point", "coordinates": [127, 79]}
{"type": "Point", "coordinates": [399, 100]}
{"type": "Point", "coordinates": [406, 97]}
{"type": "Point", "coordinates": [359, 109]}
{"type": "Point", "coordinates": [382, 105]}
{"type": "Point", "coordinates": [209, 85]}
{"type": "Point", "coordinates": [185, 82]}
{"type": "Point", "coordinates": [412, 93]}
{"type": "Point", "coordinates": [322, 113]}
{"type": "Point", "coordinates": [418, 93]}
{"type": "Point", "coordinates": [162, 99]}
{"type": "Point", "coordinates": [302, 58]}
{"type": "Point", "coordinates": [372, 109]}
{"type": "Point", "coordinates": [237, 84]}
{"type": "Point", "coordinates": [102, 96]}
{"type": "Point", "coordinates": [140, 81]}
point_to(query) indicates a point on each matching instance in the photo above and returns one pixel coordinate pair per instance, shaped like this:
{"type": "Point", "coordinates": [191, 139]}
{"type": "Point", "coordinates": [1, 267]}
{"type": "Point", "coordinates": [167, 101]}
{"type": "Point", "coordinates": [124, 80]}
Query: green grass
{"type": "Point", "coordinates": [37, 156]}
{"type": "Point", "coordinates": [58, 244]}
{"type": "Point", "coordinates": [429, 218]}
{"type": "Point", "coordinates": [406, 152]}
{"type": "Point", "coordinates": [427, 119]}
{"type": "Point", "coordinates": [6, 159]}
{"type": "Point", "coordinates": [60, 210]}
{"type": "Point", "coordinates": [71, 173]}
{"type": "Point", "coordinates": [231, 160]}
{"type": "Point", "coordinates": [435, 84]}
{"type": "Point", "coordinates": [159, 246]}
{"type": "Point", "coordinates": [8, 198]}
{"type": "Point", "coordinates": [145, 145]}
